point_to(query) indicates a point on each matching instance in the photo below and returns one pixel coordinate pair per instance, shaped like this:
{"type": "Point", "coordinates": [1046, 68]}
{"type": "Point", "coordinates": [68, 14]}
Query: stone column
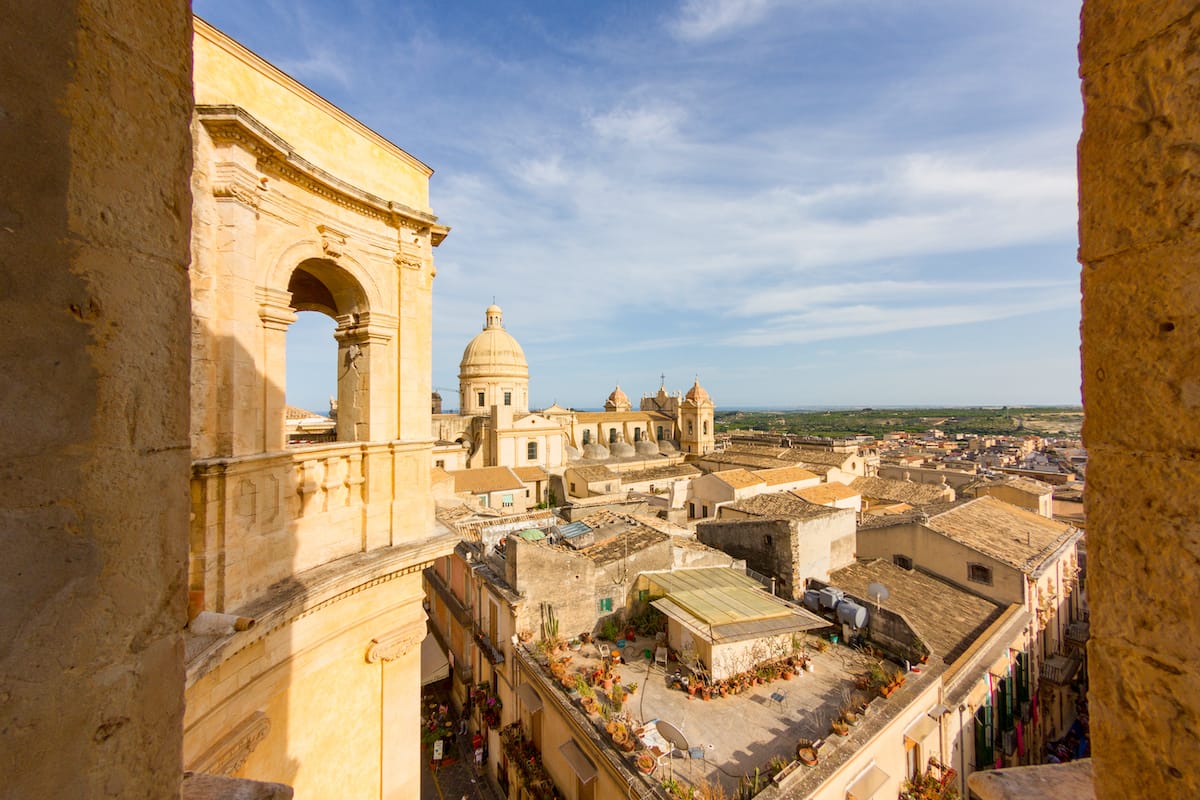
{"type": "Point", "coordinates": [276, 313]}
{"type": "Point", "coordinates": [364, 388]}
{"type": "Point", "coordinates": [1139, 226]}
{"type": "Point", "coordinates": [399, 655]}
{"type": "Point", "coordinates": [94, 247]}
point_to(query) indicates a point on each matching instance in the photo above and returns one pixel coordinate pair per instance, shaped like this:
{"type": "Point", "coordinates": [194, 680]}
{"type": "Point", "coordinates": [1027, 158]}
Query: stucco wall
{"type": "Point", "coordinates": [94, 221]}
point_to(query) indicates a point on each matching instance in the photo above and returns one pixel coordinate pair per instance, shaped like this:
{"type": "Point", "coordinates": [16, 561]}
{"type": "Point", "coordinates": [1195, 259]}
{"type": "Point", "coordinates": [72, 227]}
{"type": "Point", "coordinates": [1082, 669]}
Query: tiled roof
{"type": "Point", "coordinates": [530, 474]}
{"type": "Point", "coordinates": [903, 491]}
{"type": "Point", "coordinates": [594, 473]}
{"type": "Point", "coordinates": [1030, 485]}
{"type": "Point", "coordinates": [294, 412]}
{"type": "Point", "coordinates": [780, 504]}
{"type": "Point", "coordinates": [621, 536]}
{"type": "Point", "coordinates": [622, 416]}
{"type": "Point", "coordinates": [1003, 531]}
{"type": "Point", "coordinates": [774, 477]}
{"type": "Point", "coordinates": [824, 493]}
{"type": "Point", "coordinates": [738, 478]}
{"type": "Point", "coordinates": [947, 618]}
{"type": "Point", "coordinates": [660, 473]}
{"type": "Point", "coordinates": [437, 475]}
{"type": "Point", "coordinates": [485, 479]}
{"type": "Point", "coordinates": [810, 455]}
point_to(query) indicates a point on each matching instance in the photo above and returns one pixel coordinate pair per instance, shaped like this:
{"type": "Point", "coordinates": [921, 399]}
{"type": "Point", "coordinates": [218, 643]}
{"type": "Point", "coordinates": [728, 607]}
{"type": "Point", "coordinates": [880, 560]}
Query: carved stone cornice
{"type": "Point", "coordinates": [230, 752]}
{"type": "Point", "coordinates": [233, 124]}
{"type": "Point", "coordinates": [397, 643]}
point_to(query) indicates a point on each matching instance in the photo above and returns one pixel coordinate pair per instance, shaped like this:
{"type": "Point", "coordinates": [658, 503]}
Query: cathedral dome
{"type": "Point", "coordinates": [493, 352]}
{"type": "Point", "coordinates": [617, 401]}
{"type": "Point", "coordinates": [618, 397]}
{"type": "Point", "coordinates": [697, 394]}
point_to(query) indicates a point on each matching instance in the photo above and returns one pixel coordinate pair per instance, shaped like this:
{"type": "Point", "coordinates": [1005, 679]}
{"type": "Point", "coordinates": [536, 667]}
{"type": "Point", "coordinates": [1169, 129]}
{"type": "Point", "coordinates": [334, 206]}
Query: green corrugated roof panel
{"type": "Point", "coordinates": [531, 535]}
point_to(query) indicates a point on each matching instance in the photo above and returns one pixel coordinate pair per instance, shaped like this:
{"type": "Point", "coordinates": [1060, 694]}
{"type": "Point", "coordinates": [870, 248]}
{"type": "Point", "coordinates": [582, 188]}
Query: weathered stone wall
{"type": "Point", "coordinates": [1139, 177]}
{"type": "Point", "coordinates": [94, 217]}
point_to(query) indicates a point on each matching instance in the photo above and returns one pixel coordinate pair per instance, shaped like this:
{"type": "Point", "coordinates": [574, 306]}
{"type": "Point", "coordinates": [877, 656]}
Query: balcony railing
{"type": "Point", "coordinates": [1078, 633]}
{"type": "Point", "coordinates": [1060, 668]}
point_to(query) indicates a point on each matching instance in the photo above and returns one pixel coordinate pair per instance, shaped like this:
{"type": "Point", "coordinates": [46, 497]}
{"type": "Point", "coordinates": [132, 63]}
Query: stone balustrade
{"type": "Point", "coordinates": [260, 519]}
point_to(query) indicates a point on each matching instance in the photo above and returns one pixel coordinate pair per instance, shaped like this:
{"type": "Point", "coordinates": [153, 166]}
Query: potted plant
{"type": "Point", "coordinates": [806, 752]}
{"type": "Point", "coordinates": [839, 726]}
{"type": "Point", "coordinates": [617, 695]}
{"type": "Point", "coordinates": [645, 762]}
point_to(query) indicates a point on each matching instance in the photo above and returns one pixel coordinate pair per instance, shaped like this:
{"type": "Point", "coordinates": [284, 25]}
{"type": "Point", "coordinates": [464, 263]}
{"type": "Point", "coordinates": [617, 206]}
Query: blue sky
{"type": "Point", "coordinates": [818, 202]}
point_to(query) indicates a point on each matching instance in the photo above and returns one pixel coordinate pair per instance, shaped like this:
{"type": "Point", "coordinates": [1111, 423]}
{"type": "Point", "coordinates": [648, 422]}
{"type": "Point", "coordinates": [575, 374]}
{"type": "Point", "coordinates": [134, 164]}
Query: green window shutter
{"type": "Point", "coordinates": [643, 595]}
{"type": "Point", "coordinates": [1022, 677]}
{"type": "Point", "coordinates": [984, 754]}
{"type": "Point", "coordinates": [605, 605]}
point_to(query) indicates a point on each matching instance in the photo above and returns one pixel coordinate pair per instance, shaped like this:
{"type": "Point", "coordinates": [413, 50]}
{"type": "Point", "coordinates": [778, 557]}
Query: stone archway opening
{"type": "Point", "coordinates": [322, 287]}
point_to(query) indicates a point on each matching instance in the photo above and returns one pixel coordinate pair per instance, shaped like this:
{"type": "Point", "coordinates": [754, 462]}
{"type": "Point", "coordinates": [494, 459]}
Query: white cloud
{"type": "Point", "coordinates": [703, 19]}
{"type": "Point", "coordinates": [646, 125]}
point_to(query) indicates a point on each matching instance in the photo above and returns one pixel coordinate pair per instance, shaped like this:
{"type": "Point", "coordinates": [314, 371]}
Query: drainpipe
{"type": "Point", "coordinates": [962, 753]}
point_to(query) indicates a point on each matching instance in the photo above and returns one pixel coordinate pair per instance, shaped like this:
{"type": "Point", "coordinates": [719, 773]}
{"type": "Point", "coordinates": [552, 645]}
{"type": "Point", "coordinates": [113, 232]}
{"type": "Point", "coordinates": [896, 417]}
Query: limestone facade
{"type": "Point", "coordinates": [494, 426]}
{"type": "Point", "coordinates": [322, 544]}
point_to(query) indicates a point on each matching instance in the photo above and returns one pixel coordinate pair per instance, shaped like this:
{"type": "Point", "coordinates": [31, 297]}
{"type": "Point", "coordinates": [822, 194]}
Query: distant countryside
{"type": "Point", "coordinates": [1006, 420]}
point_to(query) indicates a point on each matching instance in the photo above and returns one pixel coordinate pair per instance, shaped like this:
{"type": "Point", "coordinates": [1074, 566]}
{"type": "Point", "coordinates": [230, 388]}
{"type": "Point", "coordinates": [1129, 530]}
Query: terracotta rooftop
{"type": "Point", "coordinates": [294, 412]}
{"type": "Point", "coordinates": [1005, 532]}
{"type": "Point", "coordinates": [825, 493]}
{"type": "Point", "coordinates": [594, 473]}
{"type": "Point", "coordinates": [621, 416]}
{"type": "Point", "coordinates": [903, 491]}
{"type": "Point", "coordinates": [622, 536]}
{"type": "Point", "coordinates": [811, 455]}
{"type": "Point", "coordinates": [1030, 485]}
{"type": "Point", "coordinates": [774, 477]}
{"type": "Point", "coordinates": [660, 473]}
{"type": "Point", "coordinates": [437, 475]}
{"type": "Point", "coordinates": [947, 618]}
{"type": "Point", "coordinates": [780, 504]}
{"type": "Point", "coordinates": [485, 479]}
{"type": "Point", "coordinates": [738, 478]}
{"type": "Point", "coordinates": [530, 474]}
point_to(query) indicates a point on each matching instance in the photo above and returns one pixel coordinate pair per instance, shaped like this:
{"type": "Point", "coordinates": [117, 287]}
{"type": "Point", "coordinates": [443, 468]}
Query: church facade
{"type": "Point", "coordinates": [495, 427]}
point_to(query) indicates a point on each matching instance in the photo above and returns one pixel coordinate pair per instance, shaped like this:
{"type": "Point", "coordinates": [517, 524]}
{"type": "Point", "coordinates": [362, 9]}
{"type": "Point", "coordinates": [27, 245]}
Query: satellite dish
{"type": "Point", "coordinates": [877, 592]}
{"type": "Point", "coordinates": [673, 735]}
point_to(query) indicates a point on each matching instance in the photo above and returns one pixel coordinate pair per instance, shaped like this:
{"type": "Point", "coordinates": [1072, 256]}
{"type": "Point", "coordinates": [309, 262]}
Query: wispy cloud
{"type": "Point", "coordinates": [703, 19]}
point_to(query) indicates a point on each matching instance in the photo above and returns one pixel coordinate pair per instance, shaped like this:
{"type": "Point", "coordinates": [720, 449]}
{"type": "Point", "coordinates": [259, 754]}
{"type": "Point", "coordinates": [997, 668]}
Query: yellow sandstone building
{"type": "Point", "coordinates": [304, 564]}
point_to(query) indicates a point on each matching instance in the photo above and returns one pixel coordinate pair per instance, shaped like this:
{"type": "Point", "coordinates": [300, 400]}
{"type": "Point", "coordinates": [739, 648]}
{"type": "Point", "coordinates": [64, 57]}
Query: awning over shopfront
{"type": "Point", "coordinates": [434, 664]}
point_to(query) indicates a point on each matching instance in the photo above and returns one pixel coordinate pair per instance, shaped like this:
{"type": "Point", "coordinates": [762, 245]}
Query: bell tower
{"type": "Point", "coordinates": [696, 433]}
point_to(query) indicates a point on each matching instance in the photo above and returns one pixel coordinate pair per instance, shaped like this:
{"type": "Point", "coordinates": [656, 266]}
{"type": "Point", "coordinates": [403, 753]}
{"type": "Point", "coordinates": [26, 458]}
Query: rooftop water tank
{"type": "Point", "coordinates": [812, 600]}
{"type": "Point", "coordinates": [831, 596]}
{"type": "Point", "coordinates": [852, 614]}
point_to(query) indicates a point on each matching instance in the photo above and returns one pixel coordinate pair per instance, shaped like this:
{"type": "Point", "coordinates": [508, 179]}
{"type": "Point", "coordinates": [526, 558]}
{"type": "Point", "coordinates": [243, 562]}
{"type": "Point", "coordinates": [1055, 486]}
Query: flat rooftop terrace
{"type": "Point", "coordinates": [736, 734]}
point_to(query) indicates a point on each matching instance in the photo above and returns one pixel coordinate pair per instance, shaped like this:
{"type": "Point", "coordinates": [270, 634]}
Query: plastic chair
{"type": "Point", "coordinates": [660, 657]}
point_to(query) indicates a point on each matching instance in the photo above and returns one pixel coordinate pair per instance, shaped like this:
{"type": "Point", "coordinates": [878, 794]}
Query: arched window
{"type": "Point", "coordinates": [531, 451]}
{"type": "Point", "coordinates": [706, 427]}
{"type": "Point", "coordinates": [691, 428]}
{"type": "Point", "coordinates": [587, 437]}
{"type": "Point", "coordinates": [612, 435]}
{"type": "Point", "coordinates": [637, 434]}
{"type": "Point", "coordinates": [660, 436]}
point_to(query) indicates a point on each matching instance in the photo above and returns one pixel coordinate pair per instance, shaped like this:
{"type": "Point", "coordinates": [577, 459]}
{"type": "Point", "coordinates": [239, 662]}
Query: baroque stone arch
{"type": "Point", "coordinates": [330, 251]}
{"type": "Point", "coordinates": [312, 276]}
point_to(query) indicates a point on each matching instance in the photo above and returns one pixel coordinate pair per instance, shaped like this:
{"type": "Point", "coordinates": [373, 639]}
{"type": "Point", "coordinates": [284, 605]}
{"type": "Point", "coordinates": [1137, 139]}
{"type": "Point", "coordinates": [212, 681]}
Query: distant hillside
{"type": "Point", "coordinates": [1039, 420]}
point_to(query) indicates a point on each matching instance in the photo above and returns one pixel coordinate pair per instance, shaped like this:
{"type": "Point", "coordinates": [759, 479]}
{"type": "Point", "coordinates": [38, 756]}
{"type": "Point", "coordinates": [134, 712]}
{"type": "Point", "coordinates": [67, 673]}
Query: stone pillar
{"type": "Point", "coordinates": [1139, 180]}
{"type": "Point", "coordinates": [95, 211]}
{"type": "Point", "coordinates": [366, 382]}
{"type": "Point", "coordinates": [275, 311]}
{"type": "Point", "coordinates": [414, 265]}
{"type": "Point", "coordinates": [399, 655]}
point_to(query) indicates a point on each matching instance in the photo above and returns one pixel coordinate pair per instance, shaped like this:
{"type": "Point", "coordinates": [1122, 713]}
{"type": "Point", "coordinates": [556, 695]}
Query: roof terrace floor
{"type": "Point", "coordinates": [739, 732]}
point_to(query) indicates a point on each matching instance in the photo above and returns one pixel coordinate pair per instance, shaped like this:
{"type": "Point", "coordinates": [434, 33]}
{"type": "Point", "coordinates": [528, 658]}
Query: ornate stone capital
{"type": "Point", "coordinates": [230, 752]}
{"type": "Point", "coordinates": [274, 308]}
{"type": "Point", "coordinates": [397, 643]}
